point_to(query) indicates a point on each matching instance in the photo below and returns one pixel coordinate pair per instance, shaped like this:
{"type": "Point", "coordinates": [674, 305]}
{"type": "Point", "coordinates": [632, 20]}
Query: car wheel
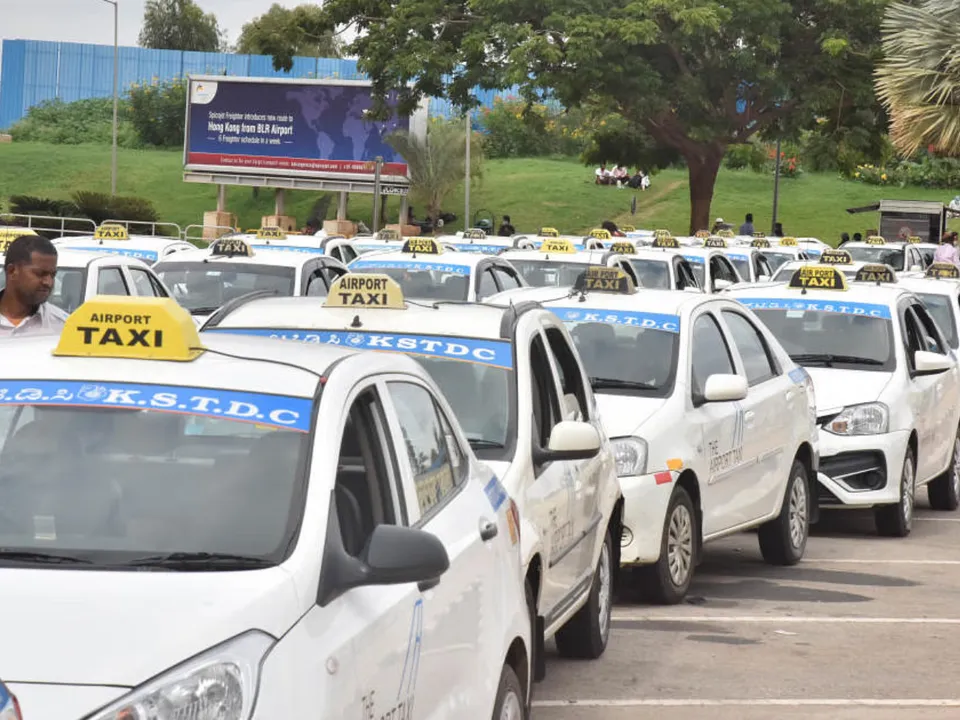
{"type": "Point", "coordinates": [668, 580]}
{"type": "Point", "coordinates": [944, 491]}
{"type": "Point", "coordinates": [897, 520]}
{"type": "Point", "coordinates": [587, 632]}
{"type": "Point", "coordinates": [509, 704]}
{"type": "Point", "coordinates": [783, 539]}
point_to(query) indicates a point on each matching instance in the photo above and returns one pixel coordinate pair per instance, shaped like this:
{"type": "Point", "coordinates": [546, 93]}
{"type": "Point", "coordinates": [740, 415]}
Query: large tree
{"type": "Point", "coordinates": [919, 78]}
{"type": "Point", "coordinates": [696, 75]}
{"type": "Point", "coordinates": [282, 32]}
{"type": "Point", "coordinates": [179, 25]}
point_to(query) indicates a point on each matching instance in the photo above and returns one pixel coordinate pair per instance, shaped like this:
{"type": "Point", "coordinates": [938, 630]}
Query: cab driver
{"type": "Point", "coordinates": [30, 268]}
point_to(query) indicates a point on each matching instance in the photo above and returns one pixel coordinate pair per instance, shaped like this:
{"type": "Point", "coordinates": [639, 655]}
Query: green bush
{"type": "Point", "coordinates": [30, 205]}
{"type": "Point", "coordinates": [924, 170]}
{"type": "Point", "coordinates": [100, 207]}
{"type": "Point", "coordinates": [156, 111]}
{"type": "Point", "coordinates": [514, 129]}
{"type": "Point", "coordinates": [83, 121]}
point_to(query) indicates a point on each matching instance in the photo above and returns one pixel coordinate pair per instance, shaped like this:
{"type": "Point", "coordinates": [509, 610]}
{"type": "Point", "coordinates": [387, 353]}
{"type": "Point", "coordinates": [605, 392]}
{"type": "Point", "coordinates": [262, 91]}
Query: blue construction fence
{"type": "Point", "coordinates": [32, 71]}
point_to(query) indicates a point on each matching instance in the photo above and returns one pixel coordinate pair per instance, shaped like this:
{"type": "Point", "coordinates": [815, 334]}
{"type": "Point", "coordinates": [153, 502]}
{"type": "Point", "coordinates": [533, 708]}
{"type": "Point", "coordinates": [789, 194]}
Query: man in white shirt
{"type": "Point", "coordinates": [30, 267]}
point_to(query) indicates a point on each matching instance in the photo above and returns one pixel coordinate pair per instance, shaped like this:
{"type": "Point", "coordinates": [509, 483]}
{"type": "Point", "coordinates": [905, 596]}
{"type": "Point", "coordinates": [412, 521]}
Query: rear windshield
{"type": "Point", "coordinates": [894, 257]}
{"type": "Point", "coordinates": [426, 281]}
{"type": "Point", "coordinates": [547, 273]}
{"type": "Point", "coordinates": [111, 474]}
{"type": "Point", "coordinates": [777, 259]}
{"type": "Point", "coordinates": [652, 273]}
{"type": "Point", "coordinates": [203, 287]}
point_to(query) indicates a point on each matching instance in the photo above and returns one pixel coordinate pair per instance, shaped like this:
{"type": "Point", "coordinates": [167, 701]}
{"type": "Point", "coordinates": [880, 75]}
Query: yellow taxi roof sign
{"type": "Point", "coordinates": [422, 245]}
{"type": "Point", "coordinates": [271, 232]}
{"type": "Point", "coordinates": [876, 240]}
{"type": "Point", "coordinates": [366, 290]}
{"type": "Point", "coordinates": [628, 228]}
{"type": "Point", "coordinates": [759, 235]}
{"type": "Point", "coordinates": [388, 234]}
{"type": "Point", "coordinates": [475, 234]}
{"type": "Point", "coordinates": [662, 233]}
{"type": "Point", "coordinates": [111, 231]}
{"type": "Point", "coordinates": [914, 239]}
{"type": "Point", "coordinates": [558, 245]}
{"type": "Point", "coordinates": [715, 242]}
{"type": "Point", "coordinates": [943, 270]}
{"type": "Point", "coordinates": [135, 328]}
{"type": "Point", "coordinates": [760, 243]}
{"type": "Point", "coordinates": [231, 246]}
{"type": "Point", "coordinates": [6, 240]}
{"type": "Point", "coordinates": [601, 234]}
{"type": "Point", "coordinates": [622, 247]}
{"type": "Point", "coordinates": [836, 257]}
{"type": "Point", "coordinates": [15, 232]}
{"type": "Point", "coordinates": [875, 272]}
{"type": "Point", "coordinates": [819, 277]}
{"type": "Point", "coordinates": [600, 278]}
{"type": "Point", "coordinates": [665, 241]}
{"type": "Point", "coordinates": [702, 234]}
{"type": "Point", "coordinates": [549, 232]}
{"type": "Point", "coordinates": [788, 241]}
{"type": "Point", "coordinates": [725, 233]}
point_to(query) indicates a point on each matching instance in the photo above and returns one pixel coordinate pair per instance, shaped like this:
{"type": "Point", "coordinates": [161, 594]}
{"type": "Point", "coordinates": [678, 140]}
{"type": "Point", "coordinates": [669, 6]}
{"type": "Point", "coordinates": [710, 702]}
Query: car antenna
{"type": "Point", "coordinates": [356, 322]}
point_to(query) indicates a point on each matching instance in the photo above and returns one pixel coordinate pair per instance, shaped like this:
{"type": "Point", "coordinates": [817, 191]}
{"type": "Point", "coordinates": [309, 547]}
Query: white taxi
{"type": "Point", "coordinates": [838, 258]}
{"type": "Point", "coordinates": [714, 271]}
{"type": "Point", "coordinates": [711, 422]}
{"type": "Point", "coordinates": [280, 531]}
{"type": "Point", "coordinates": [902, 257]}
{"type": "Point", "coordinates": [558, 263]}
{"type": "Point", "coordinates": [778, 255]}
{"type": "Point", "coordinates": [655, 269]}
{"type": "Point", "coordinates": [927, 250]}
{"type": "Point", "coordinates": [275, 238]}
{"type": "Point", "coordinates": [476, 240]}
{"type": "Point", "coordinates": [887, 384]}
{"type": "Point", "coordinates": [513, 379]}
{"type": "Point", "coordinates": [81, 275]}
{"type": "Point", "coordinates": [939, 288]}
{"type": "Point", "coordinates": [426, 270]}
{"type": "Point", "coordinates": [203, 280]}
{"type": "Point", "coordinates": [594, 241]}
{"type": "Point", "coordinates": [115, 239]}
{"type": "Point", "coordinates": [751, 264]}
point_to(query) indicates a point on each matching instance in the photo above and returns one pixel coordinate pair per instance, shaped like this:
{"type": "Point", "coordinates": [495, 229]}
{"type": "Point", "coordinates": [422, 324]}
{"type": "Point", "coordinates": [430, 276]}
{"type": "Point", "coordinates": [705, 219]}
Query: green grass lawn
{"type": "Point", "coordinates": [534, 192]}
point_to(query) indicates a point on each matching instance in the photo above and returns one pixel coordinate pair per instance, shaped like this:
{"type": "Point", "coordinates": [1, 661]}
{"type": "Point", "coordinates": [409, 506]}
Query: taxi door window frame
{"type": "Point", "coordinates": [930, 329]}
{"type": "Point", "coordinates": [102, 270]}
{"type": "Point", "coordinates": [544, 396]}
{"type": "Point", "coordinates": [485, 271]}
{"type": "Point", "coordinates": [772, 364]}
{"type": "Point", "coordinates": [911, 334]}
{"type": "Point", "coordinates": [762, 266]}
{"type": "Point", "coordinates": [138, 271]}
{"type": "Point", "coordinates": [569, 369]}
{"type": "Point", "coordinates": [685, 277]}
{"type": "Point", "coordinates": [628, 269]}
{"type": "Point", "coordinates": [696, 392]}
{"type": "Point", "coordinates": [514, 277]}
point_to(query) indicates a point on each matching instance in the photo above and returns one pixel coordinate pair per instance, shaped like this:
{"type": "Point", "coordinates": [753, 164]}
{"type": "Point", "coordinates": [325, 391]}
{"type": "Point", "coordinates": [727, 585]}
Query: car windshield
{"type": "Point", "coordinates": [742, 264]}
{"type": "Point", "coordinates": [819, 333]}
{"type": "Point", "coordinates": [943, 310]}
{"type": "Point", "coordinates": [425, 281]}
{"type": "Point", "coordinates": [878, 254]}
{"type": "Point", "coordinates": [547, 273]}
{"type": "Point", "coordinates": [203, 287]}
{"type": "Point", "coordinates": [777, 259]}
{"type": "Point", "coordinates": [652, 273]}
{"type": "Point", "coordinates": [480, 398]}
{"type": "Point", "coordinates": [83, 481]}
{"type": "Point", "coordinates": [625, 353]}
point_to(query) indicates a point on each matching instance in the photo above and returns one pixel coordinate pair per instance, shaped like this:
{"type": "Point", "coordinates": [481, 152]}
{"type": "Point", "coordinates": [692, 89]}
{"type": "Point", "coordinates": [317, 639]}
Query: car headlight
{"type": "Point", "coordinates": [219, 684]}
{"type": "Point", "coordinates": [631, 455]}
{"type": "Point", "coordinates": [866, 419]}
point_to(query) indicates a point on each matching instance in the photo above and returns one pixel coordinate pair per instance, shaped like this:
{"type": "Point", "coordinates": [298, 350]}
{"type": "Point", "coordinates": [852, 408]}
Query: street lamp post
{"type": "Point", "coordinates": [116, 71]}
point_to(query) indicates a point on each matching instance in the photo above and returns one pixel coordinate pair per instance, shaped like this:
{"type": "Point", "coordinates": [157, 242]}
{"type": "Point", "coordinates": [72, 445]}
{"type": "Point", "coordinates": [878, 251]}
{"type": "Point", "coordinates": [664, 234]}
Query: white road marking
{"type": "Point", "coordinates": [762, 702]}
{"type": "Point", "coordinates": [863, 561]}
{"type": "Point", "coordinates": [786, 619]}
{"type": "Point", "coordinates": [936, 519]}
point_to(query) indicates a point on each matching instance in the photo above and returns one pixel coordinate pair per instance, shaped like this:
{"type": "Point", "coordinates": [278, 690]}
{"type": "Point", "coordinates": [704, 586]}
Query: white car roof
{"type": "Point", "coordinates": [931, 286]}
{"type": "Point", "coordinates": [370, 261]}
{"type": "Point", "coordinates": [581, 257]}
{"type": "Point", "coordinates": [666, 302]}
{"type": "Point", "coordinates": [277, 258]}
{"type": "Point", "coordinates": [886, 294]}
{"type": "Point", "coordinates": [83, 259]}
{"type": "Point", "coordinates": [884, 246]}
{"type": "Point", "coordinates": [152, 242]}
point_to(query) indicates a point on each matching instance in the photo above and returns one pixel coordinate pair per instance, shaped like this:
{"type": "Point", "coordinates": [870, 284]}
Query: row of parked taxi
{"type": "Point", "coordinates": [379, 483]}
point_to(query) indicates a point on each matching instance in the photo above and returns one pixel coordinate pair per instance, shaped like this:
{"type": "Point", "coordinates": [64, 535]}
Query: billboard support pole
{"type": "Point", "coordinates": [279, 203]}
{"type": "Point", "coordinates": [342, 206]}
{"type": "Point", "coordinates": [221, 198]}
{"type": "Point", "coordinates": [466, 180]}
{"type": "Point", "coordinates": [376, 194]}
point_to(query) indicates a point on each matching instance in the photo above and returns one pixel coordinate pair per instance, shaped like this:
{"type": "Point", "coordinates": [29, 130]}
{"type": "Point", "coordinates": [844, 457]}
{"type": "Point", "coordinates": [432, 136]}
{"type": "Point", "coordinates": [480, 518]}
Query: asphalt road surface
{"type": "Point", "coordinates": [864, 628]}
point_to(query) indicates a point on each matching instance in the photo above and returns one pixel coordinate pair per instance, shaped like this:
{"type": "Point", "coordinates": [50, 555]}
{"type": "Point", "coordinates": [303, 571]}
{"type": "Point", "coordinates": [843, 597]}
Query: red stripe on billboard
{"type": "Point", "coordinates": [255, 162]}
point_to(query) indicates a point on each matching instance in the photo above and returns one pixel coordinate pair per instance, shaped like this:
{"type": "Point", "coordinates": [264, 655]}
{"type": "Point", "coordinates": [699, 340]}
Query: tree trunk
{"type": "Point", "coordinates": [703, 164]}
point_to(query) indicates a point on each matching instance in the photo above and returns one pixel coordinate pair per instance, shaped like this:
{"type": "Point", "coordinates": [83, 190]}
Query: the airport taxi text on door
{"type": "Point", "coordinates": [278, 530]}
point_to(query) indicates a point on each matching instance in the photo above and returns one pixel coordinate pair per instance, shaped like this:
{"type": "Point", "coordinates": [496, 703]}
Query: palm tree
{"type": "Point", "coordinates": [438, 162]}
{"type": "Point", "coordinates": [919, 78]}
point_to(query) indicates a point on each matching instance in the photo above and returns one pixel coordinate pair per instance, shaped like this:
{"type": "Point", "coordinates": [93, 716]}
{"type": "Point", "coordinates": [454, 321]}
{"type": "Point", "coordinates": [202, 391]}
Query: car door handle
{"type": "Point", "coordinates": [488, 530]}
{"type": "Point", "coordinates": [748, 417]}
{"type": "Point", "coordinates": [789, 395]}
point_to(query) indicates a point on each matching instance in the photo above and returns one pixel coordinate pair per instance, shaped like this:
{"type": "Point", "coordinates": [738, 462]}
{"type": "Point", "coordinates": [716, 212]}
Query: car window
{"type": "Point", "coordinates": [141, 280]}
{"type": "Point", "coordinates": [685, 275]}
{"type": "Point", "coordinates": [571, 377]}
{"type": "Point", "coordinates": [508, 281]}
{"type": "Point", "coordinates": [933, 339]}
{"type": "Point", "coordinates": [110, 282]}
{"type": "Point", "coordinates": [546, 404]}
{"type": "Point", "coordinates": [651, 273]}
{"type": "Point", "coordinates": [763, 267]}
{"type": "Point", "coordinates": [709, 351]}
{"type": "Point", "coordinates": [488, 286]}
{"type": "Point", "coordinates": [629, 272]}
{"type": "Point", "coordinates": [943, 310]}
{"type": "Point", "coordinates": [427, 443]}
{"type": "Point", "coordinates": [317, 284]}
{"type": "Point", "coordinates": [758, 362]}
{"type": "Point", "coordinates": [158, 289]}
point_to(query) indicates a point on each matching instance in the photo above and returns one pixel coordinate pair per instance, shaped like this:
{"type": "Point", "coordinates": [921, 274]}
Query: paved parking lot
{"type": "Point", "coordinates": [865, 628]}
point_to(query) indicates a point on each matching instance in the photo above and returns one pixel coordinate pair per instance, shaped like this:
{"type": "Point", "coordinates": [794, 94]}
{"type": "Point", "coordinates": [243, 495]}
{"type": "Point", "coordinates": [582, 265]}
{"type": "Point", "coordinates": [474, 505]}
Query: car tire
{"type": "Point", "coordinates": [510, 703]}
{"type": "Point", "coordinates": [585, 635]}
{"type": "Point", "coordinates": [897, 520]}
{"type": "Point", "coordinates": [783, 539]}
{"type": "Point", "coordinates": [944, 491]}
{"type": "Point", "coordinates": [667, 581]}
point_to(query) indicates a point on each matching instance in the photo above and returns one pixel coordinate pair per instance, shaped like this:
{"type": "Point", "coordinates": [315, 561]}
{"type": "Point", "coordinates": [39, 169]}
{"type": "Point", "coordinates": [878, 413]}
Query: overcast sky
{"type": "Point", "coordinates": [91, 21]}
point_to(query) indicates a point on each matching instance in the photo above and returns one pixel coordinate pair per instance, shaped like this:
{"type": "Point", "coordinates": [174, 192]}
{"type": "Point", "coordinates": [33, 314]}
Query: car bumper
{"type": "Point", "coordinates": [645, 502]}
{"type": "Point", "coordinates": [861, 471]}
{"type": "Point", "coordinates": [40, 701]}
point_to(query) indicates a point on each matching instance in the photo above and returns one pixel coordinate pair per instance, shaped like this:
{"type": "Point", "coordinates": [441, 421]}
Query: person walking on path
{"type": "Point", "coordinates": [747, 228]}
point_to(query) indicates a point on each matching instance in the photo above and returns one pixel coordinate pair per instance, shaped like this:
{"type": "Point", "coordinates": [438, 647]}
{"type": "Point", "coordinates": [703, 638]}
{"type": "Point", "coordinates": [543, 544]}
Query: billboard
{"type": "Point", "coordinates": [291, 128]}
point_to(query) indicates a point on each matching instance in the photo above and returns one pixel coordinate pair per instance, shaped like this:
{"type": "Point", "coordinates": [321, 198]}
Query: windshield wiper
{"type": "Point", "coordinates": [204, 310]}
{"type": "Point", "coordinates": [201, 561]}
{"type": "Point", "coordinates": [598, 383]}
{"type": "Point", "coordinates": [829, 359]}
{"type": "Point", "coordinates": [482, 443]}
{"type": "Point", "coordinates": [37, 556]}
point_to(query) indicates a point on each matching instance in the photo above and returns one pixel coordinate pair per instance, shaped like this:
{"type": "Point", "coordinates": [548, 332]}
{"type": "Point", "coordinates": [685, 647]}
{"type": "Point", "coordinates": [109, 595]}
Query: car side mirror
{"type": "Point", "coordinates": [763, 278]}
{"type": "Point", "coordinates": [570, 440]}
{"type": "Point", "coordinates": [929, 363]}
{"type": "Point", "coordinates": [916, 268]}
{"type": "Point", "coordinates": [725, 388]}
{"type": "Point", "coordinates": [721, 284]}
{"type": "Point", "coordinates": [394, 555]}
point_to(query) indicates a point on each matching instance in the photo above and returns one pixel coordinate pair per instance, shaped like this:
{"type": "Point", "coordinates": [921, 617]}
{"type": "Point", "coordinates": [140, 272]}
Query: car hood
{"type": "Point", "coordinates": [76, 627]}
{"type": "Point", "coordinates": [623, 415]}
{"type": "Point", "coordinates": [835, 389]}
